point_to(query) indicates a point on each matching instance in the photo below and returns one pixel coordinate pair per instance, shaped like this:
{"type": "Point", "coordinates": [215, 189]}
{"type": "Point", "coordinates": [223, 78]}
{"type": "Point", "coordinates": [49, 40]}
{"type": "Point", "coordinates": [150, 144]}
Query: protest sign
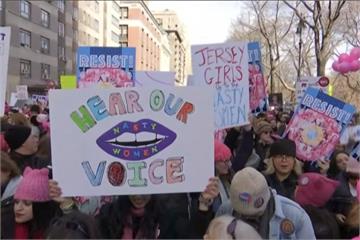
{"type": "Point", "coordinates": [276, 100]}
{"type": "Point", "coordinates": [22, 92]}
{"type": "Point", "coordinates": [131, 140]}
{"type": "Point", "coordinates": [317, 124]}
{"type": "Point", "coordinates": [105, 67]}
{"type": "Point", "coordinates": [303, 83]}
{"type": "Point", "coordinates": [154, 78]}
{"type": "Point", "coordinates": [225, 68]}
{"type": "Point", "coordinates": [4, 59]}
{"type": "Point", "coordinates": [68, 81]}
{"type": "Point", "coordinates": [40, 99]}
{"type": "Point", "coordinates": [351, 132]}
{"type": "Point", "coordinates": [355, 153]}
{"type": "Point", "coordinates": [258, 101]}
{"type": "Point", "coordinates": [13, 99]}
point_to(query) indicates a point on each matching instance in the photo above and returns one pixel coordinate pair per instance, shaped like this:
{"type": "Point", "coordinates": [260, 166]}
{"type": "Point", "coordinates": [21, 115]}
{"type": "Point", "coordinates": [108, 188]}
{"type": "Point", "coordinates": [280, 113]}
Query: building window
{"type": "Point", "coordinates": [75, 35]}
{"type": "Point", "coordinates": [61, 52]}
{"type": "Point", "coordinates": [25, 68]}
{"type": "Point", "coordinates": [96, 41]}
{"type": "Point", "coordinates": [25, 38]}
{"type": "Point", "coordinates": [45, 71]}
{"type": "Point", "coordinates": [116, 7]}
{"type": "Point", "coordinates": [96, 25]}
{"type": "Point", "coordinates": [123, 44]}
{"type": "Point", "coordinates": [115, 21]}
{"type": "Point", "coordinates": [25, 9]}
{"type": "Point", "coordinates": [96, 6]}
{"type": "Point", "coordinates": [61, 29]}
{"type": "Point", "coordinates": [124, 13]}
{"type": "Point", "coordinates": [114, 37]}
{"type": "Point", "coordinates": [61, 5]}
{"type": "Point", "coordinates": [45, 45]}
{"type": "Point", "coordinates": [45, 18]}
{"type": "Point", "coordinates": [124, 31]}
{"type": "Point", "coordinates": [160, 21]}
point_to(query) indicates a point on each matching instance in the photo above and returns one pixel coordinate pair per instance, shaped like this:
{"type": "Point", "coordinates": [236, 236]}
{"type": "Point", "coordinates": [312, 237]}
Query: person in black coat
{"type": "Point", "coordinates": [23, 145]}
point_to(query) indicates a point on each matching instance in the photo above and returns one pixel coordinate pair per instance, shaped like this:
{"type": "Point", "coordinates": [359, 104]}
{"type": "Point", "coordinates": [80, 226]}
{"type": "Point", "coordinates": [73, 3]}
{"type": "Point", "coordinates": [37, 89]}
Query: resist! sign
{"type": "Point", "coordinates": [131, 141]}
{"type": "Point", "coordinates": [225, 68]}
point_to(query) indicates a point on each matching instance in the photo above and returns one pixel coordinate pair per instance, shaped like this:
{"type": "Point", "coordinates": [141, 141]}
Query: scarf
{"type": "Point", "coordinates": [22, 232]}
{"type": "Point", "coordinates": [128, 232]}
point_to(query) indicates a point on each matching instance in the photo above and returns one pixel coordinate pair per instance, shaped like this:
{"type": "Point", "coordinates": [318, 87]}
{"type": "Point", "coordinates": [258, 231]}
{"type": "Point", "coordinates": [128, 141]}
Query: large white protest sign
{"type": "Point", "coordinates": [131, 140]}
{"type": "Point", "coordinates": [225, 68]}
{"type": "Point", "coordinates": [154, 78]}
{"type": "Point", "coordinates": [4, 59]}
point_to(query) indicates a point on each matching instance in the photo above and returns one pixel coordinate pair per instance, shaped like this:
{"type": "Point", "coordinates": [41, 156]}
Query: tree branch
{"type": "Point", "coordinates": [299, 15]}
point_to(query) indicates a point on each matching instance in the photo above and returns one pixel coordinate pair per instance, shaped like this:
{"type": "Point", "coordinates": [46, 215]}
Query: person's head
{"type": "Point", "coordinates": [22, 139]}
{"type": "Point", "coordinates": [222, 158]}
{"type": "Point", "coordinates": [263, 130]}
{"type": "Point", "coordinates": [228, 227]}
{"type": "Point", "coordinates": [139, 201]}
{"type": "Point", "coordinates": [33, 188]}
{"type": "Point", "coordinates": [324, 223]}
{"type": "Point", "coordinates": [249, 193]}
{"type": "Point", "coordinates": [338, 163]}
{"type": "Point", "coordinates": [282, 159]}
{"type": "Point", "coordinates": [18, 119]}
{"type": "Point", "coordinates": [35, 109]}
{"type": "Point", "coordinates": [314, 189]}
{"type": "Point", "coordinates": [45, 146]}
{"type": "Point", "coordinates": [75, 225]}
{"type": "Point", "coordinates": [9, 168]}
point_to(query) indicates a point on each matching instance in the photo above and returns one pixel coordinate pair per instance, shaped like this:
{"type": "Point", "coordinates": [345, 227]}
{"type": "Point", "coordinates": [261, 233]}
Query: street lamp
{"type": "Point", "coordinates": [299, 29]}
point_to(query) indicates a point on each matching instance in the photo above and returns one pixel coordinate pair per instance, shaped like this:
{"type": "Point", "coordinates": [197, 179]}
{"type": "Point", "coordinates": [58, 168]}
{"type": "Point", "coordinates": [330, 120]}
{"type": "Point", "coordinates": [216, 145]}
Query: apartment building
{"type": "Point", "coordinates": [170, 22]}
{"type": "Point", "coordinates": [42, 44]}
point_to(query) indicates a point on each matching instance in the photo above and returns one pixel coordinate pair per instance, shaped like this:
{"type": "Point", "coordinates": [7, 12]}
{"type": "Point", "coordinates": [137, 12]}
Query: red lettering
{"type": "Point", "coordinates": [136, 127]}
{"type": "Point", "coordinates": [186, 109]}
{"type": "Point", "coordinates": [209, 57]}
{"type": "Point", "coordinates": [208, 80]}
{"type": "Point", "coordinates": [218, 54]}
{"type": "Point", "coordinates": [226, 74]}
{"type": "Point", "coordinates": [239, 70]}
{"type": "Point", "coordinates": [218, 68]}
{"type": "Point", "coordinates": [203, 55]}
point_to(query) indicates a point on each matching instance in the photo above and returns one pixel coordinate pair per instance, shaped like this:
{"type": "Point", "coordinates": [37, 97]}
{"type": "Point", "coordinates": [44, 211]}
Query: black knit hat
{"type": "Point", "coordinates": [283, 147]}
{"type": "Point", "coordinates": [16, 135]}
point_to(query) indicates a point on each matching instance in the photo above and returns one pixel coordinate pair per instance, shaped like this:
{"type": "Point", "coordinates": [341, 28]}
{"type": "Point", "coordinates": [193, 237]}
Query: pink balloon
{"type": "Point", "coordinates": [344, 57]}
{"type": "Point", "coordinates": [355, 66]}
{"type": "Point", "coordinates": [335, 66]}
{"type": "Point", "coordinates": [355, 53]}
{"type": "Point", "coordinates": [344, 67]}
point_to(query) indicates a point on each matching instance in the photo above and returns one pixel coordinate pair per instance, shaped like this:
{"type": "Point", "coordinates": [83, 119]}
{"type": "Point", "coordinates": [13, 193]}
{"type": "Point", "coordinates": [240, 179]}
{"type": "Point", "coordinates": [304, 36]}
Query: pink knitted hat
{"type": "Point", "coordinates": [34, 186]}
{"type": "Point", "coordinates": [222, 152]}
{"type": "Point", "coordinates": [314, 189]}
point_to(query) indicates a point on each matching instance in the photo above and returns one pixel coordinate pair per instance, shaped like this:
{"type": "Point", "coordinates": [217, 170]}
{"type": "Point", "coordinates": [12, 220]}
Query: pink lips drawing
{"type": "Point", "coordinates": [134, 150]}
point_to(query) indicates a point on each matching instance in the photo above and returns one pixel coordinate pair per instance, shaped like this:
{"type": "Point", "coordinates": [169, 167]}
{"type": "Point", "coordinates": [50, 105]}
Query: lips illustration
{"type": "Point", "coordinates": [135, 141]}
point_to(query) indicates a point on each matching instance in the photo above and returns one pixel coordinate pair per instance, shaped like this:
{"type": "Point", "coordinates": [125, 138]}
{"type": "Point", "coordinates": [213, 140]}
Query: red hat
{"type": "Point", "coordinates": [314, 189]}
{"type": "Point", "coordinates": [222, 152]}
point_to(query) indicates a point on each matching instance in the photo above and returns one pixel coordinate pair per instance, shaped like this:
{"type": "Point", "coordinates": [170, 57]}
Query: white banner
{"type": "Point", "coordinates": [131, 140]}
{"type": "Point", "coordinates": [224, 67]}
{"type": "Point", "coordinates": [5, 33]}
{"type": "Point", "coordinates": [154, 78]}
{"type": "Point", "coordinates": [22, 92]}
{"type": "Point", "coordinates": [303, 83]}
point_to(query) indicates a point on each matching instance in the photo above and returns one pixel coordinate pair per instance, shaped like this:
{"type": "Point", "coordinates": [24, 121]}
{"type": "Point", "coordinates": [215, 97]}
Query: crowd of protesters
{"type": "Point", "coordinates": [260, 191]}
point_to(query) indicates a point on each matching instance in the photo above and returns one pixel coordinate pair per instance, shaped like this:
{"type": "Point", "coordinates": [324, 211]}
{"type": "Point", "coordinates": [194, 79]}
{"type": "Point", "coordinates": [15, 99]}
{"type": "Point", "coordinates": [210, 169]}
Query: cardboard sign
{"type": "Point", "coordinates": [224, 67]}
{"type": "Point", "coordinates": [153, 78]}
{"type": "Point", "coordinates": [352, 132]}
{"type": "Point", "coordinates": [40, 99]}
{"type": "Point", "coordinates": [131, 140]}
{"type": "Point", "coordinates": [5, 33]}
{"type": "Point", "coordinates": [22, 92]}
{"type": "Point", "coordinates": [68, 81]}
{"type": "Point", "coordinates": [355, 153]}
{"type": "Point", "coordinates": [317, 124]}
{"type": "Point", "coordinates": [303, 83]}
{"type": "Point", "coordinates": [257, 90]}
{"type": "Point", "coordinates": [105, 67]}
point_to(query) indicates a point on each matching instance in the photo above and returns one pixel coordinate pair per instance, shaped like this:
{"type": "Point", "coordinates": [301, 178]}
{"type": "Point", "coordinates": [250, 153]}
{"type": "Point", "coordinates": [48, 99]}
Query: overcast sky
{"type": "Point", "coordinates": [205, 21]}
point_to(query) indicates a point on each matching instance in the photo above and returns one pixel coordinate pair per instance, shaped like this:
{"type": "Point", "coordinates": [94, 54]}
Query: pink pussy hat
{"type": "Point", "coordinates": [314, 189]}
{"type": "Point", "coordinates": [222, 152]}
{"type": "Point", "coordinates": [34, 186]}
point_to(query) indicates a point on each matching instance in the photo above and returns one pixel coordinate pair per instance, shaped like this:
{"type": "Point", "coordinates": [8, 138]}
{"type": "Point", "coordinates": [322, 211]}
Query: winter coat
{"type": "Point", "coordinates": [33, 161]}
{"type": "Point", "coordinates": [285, 188]}
{"type": "Point", "coordinates": [285, 210]}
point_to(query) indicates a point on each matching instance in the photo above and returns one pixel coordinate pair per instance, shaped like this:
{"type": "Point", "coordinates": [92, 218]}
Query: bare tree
{"type": "Point", "coordinates": [323, 15]}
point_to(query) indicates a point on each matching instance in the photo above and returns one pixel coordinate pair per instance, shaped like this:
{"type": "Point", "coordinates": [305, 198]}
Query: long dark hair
{"type": "Point", "coordinates": [75, 225]}
{"type": "Point", "coordinates": [120, 211]}
{"type": "Point", "coordinates": [333, 168]}
{"type": "Point", "coordinates": [43, 213]}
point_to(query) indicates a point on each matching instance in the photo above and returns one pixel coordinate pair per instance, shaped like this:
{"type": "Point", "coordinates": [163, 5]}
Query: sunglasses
{"type": "Point", "coordinates": [231, 228]}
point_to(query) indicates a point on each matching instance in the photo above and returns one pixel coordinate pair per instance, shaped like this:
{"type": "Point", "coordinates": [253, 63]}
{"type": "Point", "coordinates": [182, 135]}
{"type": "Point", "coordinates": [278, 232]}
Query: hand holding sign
{"type": "Point", "coordinates": [209, 194]}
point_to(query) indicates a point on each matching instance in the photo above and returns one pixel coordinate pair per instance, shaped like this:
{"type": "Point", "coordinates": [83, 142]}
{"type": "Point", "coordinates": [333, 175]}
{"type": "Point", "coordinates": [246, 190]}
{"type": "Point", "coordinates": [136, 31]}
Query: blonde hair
{"type": "Point", "coordinates": [270, 169]}
{"type": "Point", "coordinates": [218, 229]}
{"type": "Point", "coordinates": [18, 119]}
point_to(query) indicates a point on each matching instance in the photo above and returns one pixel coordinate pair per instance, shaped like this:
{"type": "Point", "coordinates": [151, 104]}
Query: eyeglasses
{"type": "Point", "coordinates": [281, 157]}
{"type": "Point", "coordinates": [231, 228]}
